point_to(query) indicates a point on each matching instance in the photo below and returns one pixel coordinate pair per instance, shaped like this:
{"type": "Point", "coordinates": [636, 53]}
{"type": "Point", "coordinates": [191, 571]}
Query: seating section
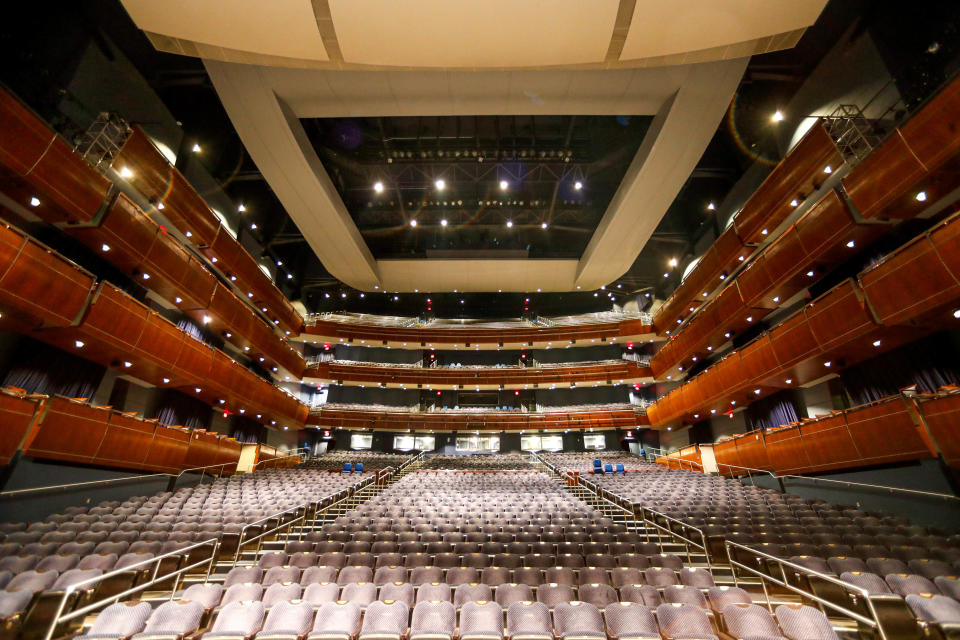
{"type": "Point", "coordinates": [586, 462]}
{"type": "Point", "coordinates": [40, 559]}
{"type": "Point", "coordinates": [371, 460]}
{"type": "Point", "coordinates": [478, 462]}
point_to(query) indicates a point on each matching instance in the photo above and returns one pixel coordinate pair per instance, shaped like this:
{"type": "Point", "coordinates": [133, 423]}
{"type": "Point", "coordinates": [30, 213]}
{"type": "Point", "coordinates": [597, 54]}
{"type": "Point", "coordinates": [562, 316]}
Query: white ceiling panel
{"type": "Point", "coordinates": [284, 28]}
{"type": "Point", "coordinates": [473, 33]}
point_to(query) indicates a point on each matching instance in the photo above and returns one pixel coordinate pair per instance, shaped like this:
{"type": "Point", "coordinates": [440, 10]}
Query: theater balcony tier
{"type": "Point", "coordinates": [914, 171]}
{"type": "Point", "coordinates": [911, 292]}
{"type": "Point", "coordinates": [73, 430]}
{"type": "Point", "coordinates": [42, 173]}
{"type": "Point", "coordinates": [894, 429]}
{"type": "Point", "coordinates": [51, 299]}
{"type": "Point", "coordinates": [587, 329]}
{"type": "Point", "coordinates": [475, 378]}
{"type": "Point", "coordinates": [606, 417]}
{"type": "Point", "coordinates": [828, 233]}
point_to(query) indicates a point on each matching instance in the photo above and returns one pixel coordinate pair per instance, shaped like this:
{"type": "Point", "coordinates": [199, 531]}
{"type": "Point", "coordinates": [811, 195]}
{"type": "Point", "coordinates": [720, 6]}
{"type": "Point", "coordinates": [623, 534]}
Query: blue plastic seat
{"type": "Point", "coordinates": [620, 468]}
{"type": "Point", "coordinates": [608, 468]}
{"type": "Point", "coordinates": [359, 468]}
{"type": "Point", "coordinates": [347, 467]}
{"type": "Point", "coordinates": [597, 466]}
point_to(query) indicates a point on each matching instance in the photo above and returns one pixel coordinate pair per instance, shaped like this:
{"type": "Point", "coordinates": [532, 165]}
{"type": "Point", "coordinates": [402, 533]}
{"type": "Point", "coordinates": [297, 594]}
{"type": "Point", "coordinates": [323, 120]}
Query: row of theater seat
{"type": "Point", "coordinates": [475, 621]}
{"type": "Point", "coordinates": [481, 462]}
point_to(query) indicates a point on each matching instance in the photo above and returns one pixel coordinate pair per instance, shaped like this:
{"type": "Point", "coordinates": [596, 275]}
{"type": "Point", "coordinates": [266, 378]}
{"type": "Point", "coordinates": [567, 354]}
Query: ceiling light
{"type": "Point", "coordinates": [543, 225]}
{"type": "Point", "coordinates": [851, 244]}
{"type": "Point", "coordinates": [126, 173]}
{"type": "Point", "coordinates": [827, 363]}
{"type": "Point", "coordinates": [440, 184]}
{"type": "Point", "coordinates": [146, 276]}
{"type": "Point", "coordinates": [104, 247]}
{"type": "Point", "coordinates": [160, 206]}
{"type": "Point", "coordinates": [711, 207]}
{"type": "Point", "coordinates": [876, 343]}
{"type": "Point", "coordinates": [413, 222]}
{"type": "Point", "coordinates": [443, 222]}
{"type": "Point", "coordinates": [789, 380]}
{"type": "Point", "coordinates": [195, 148]}
{"type": "Point", "coordinates": [207, 319]}
{"type": "Point", "coordinates": [704, 294]}
{"type": "Point", "coordinates": [756, 391]}
{"type": "Point", "coordinates": [956, 314]}
{"type": "Point", "coordinates": [378, 186]}
{"type": "Point", "coordinates": [197, 389]}
{"type": "Point", "coordinates": [749, 318]}
{"type": "Point", "coordinates": [726, 335]}
{"type": "Point", "coordinates": [178, 299]}
{"type": "Point", "coordinates": [777, 116]}
{"type": "Point", "coordinates": [708, 348]}
{"type": "Point", "coordinates": [253, 225]}
{"type": "Point", "coordinates": [228, 334]}
{"type": "Point", "coordinates": [764, 232]}
{"type": "Point", "coordinates": [713, 410]}
{"type": "Point", "coordinates": [34, 201]}
{"type": "Point", "coordinates": [166, 381]}
{"type": "Point", "coordinates": [673, 262]}
{"type": "Point", "coordinates": [127, 364]}
{"type": "Point", "coordinates": [578, 185]}
{"type": "Point", "coordinates": [921, 197]}
{"type": "Point", "coordinates": [279, 263]}
{"type": "Point", "coordinates": [794, 203]}
{"type": "Point", "coordinates": [828, 169]}
{"type": "Point", "coordinates": [776, 298]}
{"type": "Point", "coordinates": [343, 295]}
{"type": "Point", "coordinates": [188, 234]}
{"type": "Point", "coordinates": [289, 276]}
{"type": "Point", "coordinates": [810, 273]}
{"type": "Point", "coordinates": [78, 344]}
{"type": "Point", "coordinates": [666, 275]}
{"type": "Point", "coordinates": [241, 208]}
{"type": "Point", "coordinates": [509, 224]}
{"type": "Point", "coordinates": [503, 185]}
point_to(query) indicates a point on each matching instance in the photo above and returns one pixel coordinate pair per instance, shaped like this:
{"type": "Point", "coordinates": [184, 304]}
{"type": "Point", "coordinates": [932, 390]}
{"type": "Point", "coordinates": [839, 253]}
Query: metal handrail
{"type": "Point", "coordinates": [61, 617]}
{"type": "Point", "coordinates": [774, 475]}
{"type": "Point", "coordinates": [783, 582]}
{"type": "Point", "coordinates": [107, 481]}
{"type": "Point", "coordinates": [685, 525]}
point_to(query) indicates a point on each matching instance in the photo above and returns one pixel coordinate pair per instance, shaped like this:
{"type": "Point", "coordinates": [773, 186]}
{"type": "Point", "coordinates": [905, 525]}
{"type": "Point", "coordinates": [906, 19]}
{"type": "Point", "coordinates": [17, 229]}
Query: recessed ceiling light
{"type": "Point", "coordinates": [578, 185]}
{"type": "Point", "coordinates": [851, 244]}
{"type": "Point", "coordinates": [673, 262]}
{"type": "Point", "coordinates": [777, 116]}
{"type": "Point", "coordinates": [78, 344]}
{"type": "Point", "coordinates": [827, 363]}
{"type": "Point", "coordinates": [34, 201]}
{"type": "Point", "coordinates": [440, 184]}
{"type": "Point", "coordinates": [253, 225]}
{"type": "Point", "coordinates": [127, 364]}
{"type": "Point", "coordinates": [711, 207]}
{"type": "Point", "coordinates": [166, 380]}
{"type": "Point", "coordinates": [503, 185]}
{"type": "Point", "coordinates": [544, 225]}
{"type": "Point", "coordinates": [413, 222]}
{"type": "Point", "coordinates": [828, 169]}
{"type": "Point", "coordinates": [146, 276]}
{"type": "Point", "coordinates": [794, 203]}
{"type": "Point", "coordinates": [443, 222]}
{"type": "Point", "coordinates": [810, 273]}
{"type": "Point", "coordinates": [104, 247]}
{"type": "Point", "coordinates": [921, 197]}
{"type": "Point", "coordinates": [509, 224]}
{"type": "Point", "coordinates": [207, 319]}
{"type": "Point", "coordinates": [876, 343]}
{"type": "Point", "coordinates": [378, 186]}
{"type": "Point", "coordinates": [195, 148]}
{"type": "Point", "coordinates": [789, 380]}
{"type": "Point", "coordinates": [125, 172]}
{"type": "Point", "coordinates": [776, 298]}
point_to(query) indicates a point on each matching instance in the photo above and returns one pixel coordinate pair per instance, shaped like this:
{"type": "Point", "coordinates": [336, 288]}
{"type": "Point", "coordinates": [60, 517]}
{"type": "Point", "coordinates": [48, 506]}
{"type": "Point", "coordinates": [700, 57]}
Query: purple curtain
{"type": "Point", "coordinates": [40, 368]}
{"type": "Point", "coordinates": [247, 430]}
{"type": "Point", "coordinates": [773, 411]}
{"type": "Point", "coordinates": [929, 363]}
{"type": "Point", "coordinates": [178, 409]}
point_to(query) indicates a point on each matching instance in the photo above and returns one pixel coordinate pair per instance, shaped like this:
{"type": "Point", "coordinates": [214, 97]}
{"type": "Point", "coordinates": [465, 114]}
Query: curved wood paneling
{"type": "Point", "coordinates": [16, 415]}
{"type": "Point", "coordinates": [942, 419]}
{"type": "Point", "coordinates": [443, 376]}
{"type": "Point", "coordinates": [489, 420]}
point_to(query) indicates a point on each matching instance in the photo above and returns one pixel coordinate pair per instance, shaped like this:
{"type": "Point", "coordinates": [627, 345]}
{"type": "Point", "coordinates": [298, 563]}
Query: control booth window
{"type": "Point", "coordinates": [541, 443]}
{"type": "Point", "coordinates": [594, 441]}
{"type": "Point", "coordinates": [478, 443]}
{"type": "Point", "coordinates": [414, 443]}
{"type": "Point", "coordinates": [361, 441]}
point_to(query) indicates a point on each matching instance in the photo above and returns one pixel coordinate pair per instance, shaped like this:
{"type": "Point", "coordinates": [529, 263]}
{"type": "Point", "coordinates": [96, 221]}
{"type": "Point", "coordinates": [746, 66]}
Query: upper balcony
{"type": "Point", "coordinates": [407, 332]}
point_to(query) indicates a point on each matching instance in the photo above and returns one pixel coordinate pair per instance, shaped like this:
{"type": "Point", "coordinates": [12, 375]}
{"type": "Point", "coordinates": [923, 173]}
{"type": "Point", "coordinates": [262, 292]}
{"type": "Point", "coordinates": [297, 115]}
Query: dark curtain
{"type": "Point", "coordinates": [929, 363]}
{"type": "Point", "coordinates": [247, 430]}
{"type": "Point", "coordinates": [40, 368]}
{"type": "Point", "coordinates": [178, 409]}
{"type": "Point", "coordinates": [782, 407]}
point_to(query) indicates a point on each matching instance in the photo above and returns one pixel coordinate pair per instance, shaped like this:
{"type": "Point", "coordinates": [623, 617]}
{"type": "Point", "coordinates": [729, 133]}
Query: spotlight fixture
{"type": "Point", "coordinates": [921, 197]}
{"type": "Point", "coordinates": [440, 184]}
{"type": "Point", "coordinates": [777, 116]}
{"type": "Point", "coordinates": [443, 222]}
{"type": "Point", "coordinates": [241, 208]}
{"type": "Point", "coordinates": [104, 247]}
{"type": "Point", "coordinates": [673, 262]}
{"type": "Point", "coordinates": [378, 186]}
{"type": "Point", "coordinates": [711, 207]}
{"type": "Point", "coordinates": [78, 344]}
{"type": "Point", "coordinates": [503, 185]}
{"type": "Point", "coordinates": [413, 222]}
{"type": "Point", "coordinates": [543, 225]}
{"type": "Point", "coordinates": [125, 172]}
{"type": "Point", "coordinates": [509, 224]}
{"type": "Point", "coordinates": [578, 185]}
{"type": "Point", "coordinates": [253, 226]}
{"type": "Point", "coordinates": [34, 201]}
{"type": "Point", "coordinates": [195, 148]}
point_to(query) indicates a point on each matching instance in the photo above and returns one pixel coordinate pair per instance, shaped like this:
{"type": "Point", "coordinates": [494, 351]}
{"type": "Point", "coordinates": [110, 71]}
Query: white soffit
{"type": "Point", "coordinates": [473, 33]}
{"type": "Point", "coordinates": [672, 28]}
{"type": "Point", "coordinates": [286, 28]}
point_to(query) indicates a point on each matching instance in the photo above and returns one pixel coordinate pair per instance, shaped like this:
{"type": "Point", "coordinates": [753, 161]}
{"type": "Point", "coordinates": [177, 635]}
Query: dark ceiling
{"type": "Point", "coordinates": [41, 48]}
{"type": "Point", "coordinates": [550, 178]}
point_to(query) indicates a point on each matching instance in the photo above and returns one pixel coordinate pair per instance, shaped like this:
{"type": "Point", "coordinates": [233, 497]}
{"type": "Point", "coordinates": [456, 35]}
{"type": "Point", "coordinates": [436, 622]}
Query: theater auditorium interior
{"type": "Point", "coordinates": [480, 320]}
